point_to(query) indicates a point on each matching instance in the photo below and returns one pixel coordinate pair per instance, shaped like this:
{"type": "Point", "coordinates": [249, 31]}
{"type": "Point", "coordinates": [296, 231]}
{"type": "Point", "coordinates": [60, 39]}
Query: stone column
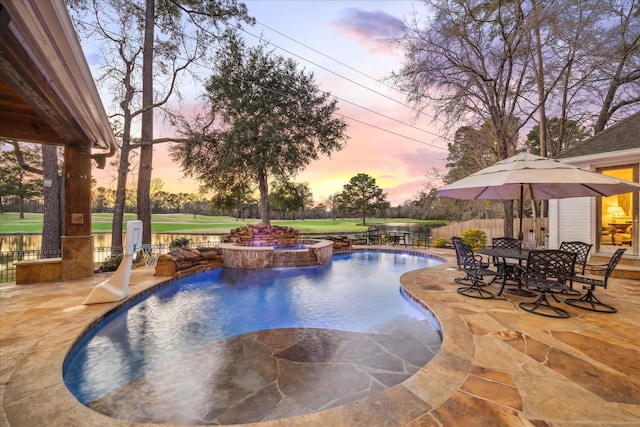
{"type": "Point", "coordinates": [77, 242]}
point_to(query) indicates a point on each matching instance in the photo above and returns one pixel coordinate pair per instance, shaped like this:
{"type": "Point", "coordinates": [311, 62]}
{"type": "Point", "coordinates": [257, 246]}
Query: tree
{"type": "Point", "coordinates": [45, 164]}
{"type": "Point", "coordinates": [617, 61]}
{"type": "Point", "coordinates": [560, 137]}
{"type": "Point", "coordinates": [331, 203]}
{"type": "Point", "coordinates": [471, 150]}
{"type": "Point", "coordinates": [590, 55]}
{"type": "Point", "coordinates": [273, 121]}
{"type": "Point", "coordinates": [17, 180]}
{"type": "Point", "coordinates": [473, 63]}
{"type": "Point", "coordinates": [143, 69]}
{"type": "Point", "coordinates": [290, 196]}
{"type": "Point", "coordinates": [362, 194]}
{"type": "Point", "coordinates": [234, 197]}
{"type": "Point", "coordinates": [102, 199]}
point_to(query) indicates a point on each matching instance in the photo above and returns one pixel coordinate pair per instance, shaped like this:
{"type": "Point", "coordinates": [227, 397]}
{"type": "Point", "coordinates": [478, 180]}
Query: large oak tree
{"type": "Point", "coordinates": [268, 119]}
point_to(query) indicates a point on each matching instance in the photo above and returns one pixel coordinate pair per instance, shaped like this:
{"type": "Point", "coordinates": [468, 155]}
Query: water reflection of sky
{"type": "Point", "coordinates": [355, 292]}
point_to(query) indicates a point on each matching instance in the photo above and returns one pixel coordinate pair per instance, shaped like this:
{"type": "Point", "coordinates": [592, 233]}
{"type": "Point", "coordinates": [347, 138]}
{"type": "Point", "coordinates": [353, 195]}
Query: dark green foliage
{"type": "Point", "coordinates": [112, 263]}
{"type": "Point", "coordinates": [180, 242]}
{"type": "Point", "coordinates": [271, 120]}
{"type": "Point", "coordinates": [362, 194]}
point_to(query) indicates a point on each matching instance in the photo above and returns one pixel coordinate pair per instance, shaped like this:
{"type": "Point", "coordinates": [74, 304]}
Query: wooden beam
{"type": "Point", "coordinates": [21, 74]}
{"type": "Point", "coordinates": [20, 129]}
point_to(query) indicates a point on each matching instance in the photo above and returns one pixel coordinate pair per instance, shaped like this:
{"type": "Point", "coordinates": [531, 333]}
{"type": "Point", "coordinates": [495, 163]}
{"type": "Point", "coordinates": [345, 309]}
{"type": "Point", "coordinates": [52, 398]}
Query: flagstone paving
{"type": "Point", "coordinates": [497, 365]}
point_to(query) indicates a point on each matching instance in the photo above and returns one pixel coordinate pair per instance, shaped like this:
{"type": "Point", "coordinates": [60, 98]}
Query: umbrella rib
{"type": "Point", "coordinates": [594, 190]}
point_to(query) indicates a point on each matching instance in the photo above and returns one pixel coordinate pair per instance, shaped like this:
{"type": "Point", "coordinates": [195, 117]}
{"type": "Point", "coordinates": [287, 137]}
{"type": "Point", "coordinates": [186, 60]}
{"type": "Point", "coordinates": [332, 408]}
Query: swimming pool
{"type": "Point", "coordinates": [357, 292]}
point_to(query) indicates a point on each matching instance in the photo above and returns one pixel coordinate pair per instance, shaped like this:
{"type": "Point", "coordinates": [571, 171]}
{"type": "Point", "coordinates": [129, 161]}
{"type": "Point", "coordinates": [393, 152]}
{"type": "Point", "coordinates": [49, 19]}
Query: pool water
{"type": "Point", "coordinates": [356, 292]}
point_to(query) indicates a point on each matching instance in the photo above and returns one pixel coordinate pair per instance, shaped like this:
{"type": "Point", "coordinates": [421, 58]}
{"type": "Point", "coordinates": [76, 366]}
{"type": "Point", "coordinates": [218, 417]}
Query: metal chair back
{"type": "Point", "coordinates": [504, 243]}
{"type": "Point", "coordinates": [611, 265]}
{"type": "Point", "coordinates": [373, 235]}
{"type": "Point", "coordinates": [422, 236]}
{"type": "Point", "coordinates": [547, 271]}
{"type": "Point", "coordinates": [464, 254]}
{"type": "Point", "coordinates": [550, 264]}
{"type": "Point", "coordinates": [581, 249]}
{"type": "Point", "coordinates": [475, 271]}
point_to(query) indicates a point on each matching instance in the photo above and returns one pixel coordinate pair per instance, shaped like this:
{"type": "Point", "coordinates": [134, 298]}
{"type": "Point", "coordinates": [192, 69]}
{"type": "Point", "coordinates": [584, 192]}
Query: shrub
{"type": "Point", "coordinates": [112, 263]}
{"type": "Point", "coordinates": [440, 242]}
{"type": "Point", "coordinates": [180, 242]}
{"type": "Point", "coordinates": [474, 237]}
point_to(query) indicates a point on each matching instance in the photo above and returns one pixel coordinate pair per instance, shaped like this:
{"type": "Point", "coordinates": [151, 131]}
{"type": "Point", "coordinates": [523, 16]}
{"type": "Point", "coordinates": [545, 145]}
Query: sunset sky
{"type": "Point", "coordinates": [346, 45]}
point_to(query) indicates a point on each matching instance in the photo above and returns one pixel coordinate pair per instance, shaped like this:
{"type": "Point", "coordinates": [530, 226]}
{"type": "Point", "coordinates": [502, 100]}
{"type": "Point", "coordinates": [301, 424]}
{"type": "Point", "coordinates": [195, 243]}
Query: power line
{"type": "Point", "coordinates": [359, 84]}
{"type": "Point", "coordinates": [390, 131]}
{"type": "Point", "coordinates": [341, 99]}
{"type": "Point", "coordinates": [344, 65]}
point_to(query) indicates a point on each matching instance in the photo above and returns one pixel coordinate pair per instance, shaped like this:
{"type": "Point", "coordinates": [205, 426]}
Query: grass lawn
{"type": "Point", "coordinates": [174, 223]}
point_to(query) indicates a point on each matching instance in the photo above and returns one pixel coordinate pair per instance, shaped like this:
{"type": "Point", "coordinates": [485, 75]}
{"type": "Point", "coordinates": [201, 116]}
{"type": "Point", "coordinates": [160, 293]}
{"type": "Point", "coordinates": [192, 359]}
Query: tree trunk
{"type": "Point", "coordinates": [121, 196]}
{"type": "Point", "coordinates": [264, 198]}
{"type": "Point", "coordinates": [21, 198]}
{"type": "Point", "coordinates": [51, 224]}
{"type": "Point", "coordinates": [364, 216]}
{"type": "Point", "coordinates": [508, 218]}
{"type": "Point", "coordinates": [121, 193]}
{"type": "Point", "coordinates": [146, 132]}
{"type": "Point", "coordinates": [541, 97]}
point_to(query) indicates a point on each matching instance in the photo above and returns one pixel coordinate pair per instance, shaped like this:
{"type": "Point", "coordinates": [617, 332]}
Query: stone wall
{"type": "Point", "coordinates": [183, 261]}
{"type": "Point", "coordinates": [342, 243]}
{"type": "Point", "coordinates": [263, 235]}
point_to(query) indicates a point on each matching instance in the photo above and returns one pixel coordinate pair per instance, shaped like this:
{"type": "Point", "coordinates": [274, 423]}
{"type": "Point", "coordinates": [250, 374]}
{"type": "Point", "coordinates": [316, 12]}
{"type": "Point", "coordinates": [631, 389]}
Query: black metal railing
{"type": "Point", "coordinates": [7, 260]}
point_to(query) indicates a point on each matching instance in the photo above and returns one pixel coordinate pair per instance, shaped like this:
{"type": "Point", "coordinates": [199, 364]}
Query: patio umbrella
{"type": "Point", "coordinates": [531, 177]}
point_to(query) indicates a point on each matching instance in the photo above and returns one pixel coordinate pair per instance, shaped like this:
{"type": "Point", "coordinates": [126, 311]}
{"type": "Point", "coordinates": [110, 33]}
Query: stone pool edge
{"type": "Point", "coordinates": [35, 395]}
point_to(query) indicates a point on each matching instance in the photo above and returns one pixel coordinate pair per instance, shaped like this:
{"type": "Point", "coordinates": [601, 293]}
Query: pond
{"type": "Point", "coordinates": [32, 242]}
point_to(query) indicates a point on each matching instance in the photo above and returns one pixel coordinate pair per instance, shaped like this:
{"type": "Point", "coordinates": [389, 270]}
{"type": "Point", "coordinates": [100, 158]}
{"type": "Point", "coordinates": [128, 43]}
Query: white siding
{"type": "Point", "coordinates": [575, 220]}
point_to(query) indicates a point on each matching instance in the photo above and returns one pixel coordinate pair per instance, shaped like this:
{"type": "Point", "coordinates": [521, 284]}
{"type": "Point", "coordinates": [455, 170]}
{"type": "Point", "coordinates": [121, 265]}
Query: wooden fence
{"type": "Point", "coordinates": [495, 228]}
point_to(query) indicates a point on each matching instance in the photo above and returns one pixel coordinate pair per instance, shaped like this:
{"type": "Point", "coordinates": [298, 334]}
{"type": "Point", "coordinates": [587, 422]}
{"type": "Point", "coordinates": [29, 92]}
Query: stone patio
{"type": "Point", "coordinates": [497, 366]}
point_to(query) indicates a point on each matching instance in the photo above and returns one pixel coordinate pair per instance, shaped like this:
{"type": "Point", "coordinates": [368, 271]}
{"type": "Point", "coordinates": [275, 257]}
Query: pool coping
{"type": "Point", "coordinates": [35, 348]}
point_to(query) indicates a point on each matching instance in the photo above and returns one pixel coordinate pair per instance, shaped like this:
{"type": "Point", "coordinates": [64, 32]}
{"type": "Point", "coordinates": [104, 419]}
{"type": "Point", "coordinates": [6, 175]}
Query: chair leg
{"type": "Point", "coordinates": [594, 303]}
{"type": "Point", "coordinates": [465, 281]}
{"type": "Point", "coordinates": [474, 290]}
{"type": "Point", "coordinates": [570, 291]}
{"type": "Point", "coordinates": [543, 303]}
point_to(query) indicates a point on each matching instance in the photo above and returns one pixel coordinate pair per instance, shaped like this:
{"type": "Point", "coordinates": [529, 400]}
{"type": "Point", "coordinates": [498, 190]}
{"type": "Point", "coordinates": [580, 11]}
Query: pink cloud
{"type": "Point", "coordinates": [373, 29]}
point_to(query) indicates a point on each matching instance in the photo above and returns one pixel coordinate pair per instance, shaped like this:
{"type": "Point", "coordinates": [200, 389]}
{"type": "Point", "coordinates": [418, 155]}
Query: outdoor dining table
{"type": "Point", "coordinates": [397, 236]}
{"type": "Point", "coordinates": [502, 253]}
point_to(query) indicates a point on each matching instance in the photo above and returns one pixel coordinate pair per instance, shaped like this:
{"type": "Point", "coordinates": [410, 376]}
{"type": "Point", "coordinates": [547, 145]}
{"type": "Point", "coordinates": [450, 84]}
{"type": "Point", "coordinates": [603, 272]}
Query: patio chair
{"type": "Point", "coordinates": [506, 271]}
{"type": "Point", "coordinates": [547, 272]}
{"type": "Point", "coordinates": [466, 279]}
{"type": "Point", "coordinates": [422, 236]}
{"type": "Point", "coordinates": [581, 249]}
{"type": "Point", "coordinates": [589, 301]}
{"type": "Point", "coordinates": [373, 235]}
{"type": "Point", "coordinates": [475, 270]}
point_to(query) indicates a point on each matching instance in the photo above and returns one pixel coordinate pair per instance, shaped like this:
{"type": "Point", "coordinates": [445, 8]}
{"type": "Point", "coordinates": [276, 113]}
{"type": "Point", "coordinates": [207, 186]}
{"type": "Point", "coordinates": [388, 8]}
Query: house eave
{"type": "Point", "coordinates": [612, 158]}
{"type": "Point", "coordinates": [48, 93]}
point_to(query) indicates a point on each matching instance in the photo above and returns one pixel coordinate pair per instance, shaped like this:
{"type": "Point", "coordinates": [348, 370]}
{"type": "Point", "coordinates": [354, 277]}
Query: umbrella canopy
{"type": "Point", "coordinates": [539, 178]}
{"type": "Point", "coordinates": [527, 176]}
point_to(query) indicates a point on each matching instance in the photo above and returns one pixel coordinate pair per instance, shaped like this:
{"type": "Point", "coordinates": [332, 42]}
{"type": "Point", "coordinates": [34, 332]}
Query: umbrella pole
{"type": "Point", "coordinates": [520, 233]}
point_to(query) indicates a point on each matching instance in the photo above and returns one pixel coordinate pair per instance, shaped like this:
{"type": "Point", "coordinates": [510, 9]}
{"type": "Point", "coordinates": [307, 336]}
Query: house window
{"type": "Point", "coordinates": [618, 214]}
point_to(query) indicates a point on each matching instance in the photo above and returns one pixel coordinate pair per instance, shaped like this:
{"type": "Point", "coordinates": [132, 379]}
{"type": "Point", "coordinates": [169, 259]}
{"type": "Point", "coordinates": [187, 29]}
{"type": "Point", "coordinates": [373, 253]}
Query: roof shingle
{"type": "Point", "coordinates": [623, 135]}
